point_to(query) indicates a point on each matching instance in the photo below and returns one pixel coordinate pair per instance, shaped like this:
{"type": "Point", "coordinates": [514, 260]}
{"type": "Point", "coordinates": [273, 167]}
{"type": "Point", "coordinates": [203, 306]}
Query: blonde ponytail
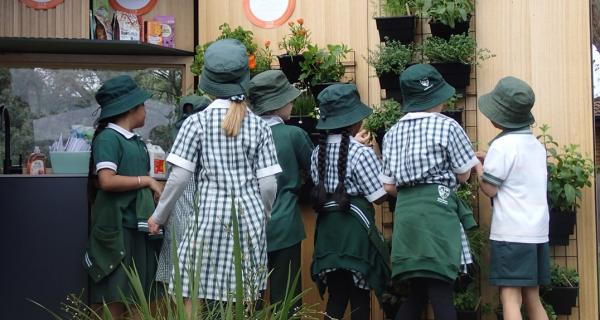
{"type": "Point", "coordinates": [233, 118]}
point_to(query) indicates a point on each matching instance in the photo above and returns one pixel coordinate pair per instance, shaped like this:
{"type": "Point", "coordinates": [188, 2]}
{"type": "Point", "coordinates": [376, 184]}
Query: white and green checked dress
{"type": "Point", "coordinates": [228, 169]}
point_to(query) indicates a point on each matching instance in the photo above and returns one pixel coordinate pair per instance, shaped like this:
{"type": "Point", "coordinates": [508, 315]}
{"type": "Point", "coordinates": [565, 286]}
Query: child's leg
{"type": "Point", "coordinates": [412, 308]}
{"type": "Point", "coordinates": [339, 285]}
{"type": "Point", "coordinates": [441, 297]}
{"type": "Point", "coordinates": [360, 303]}
{"type": "Point", "coordinates": [284, 264]}
{"type": "Point", "coordinates": [511, 302]}
{"type": "Point", "coordinates": [531, 300]}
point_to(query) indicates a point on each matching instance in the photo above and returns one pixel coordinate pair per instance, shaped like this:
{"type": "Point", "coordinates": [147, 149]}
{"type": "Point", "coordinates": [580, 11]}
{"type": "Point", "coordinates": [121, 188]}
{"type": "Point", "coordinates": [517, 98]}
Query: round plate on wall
{"type": "Point", "coordinates": [42, 4]}
{"type": "Point", "coordinates": [137, 7]}
{"type": "Point", "coordinates": [269, 13]}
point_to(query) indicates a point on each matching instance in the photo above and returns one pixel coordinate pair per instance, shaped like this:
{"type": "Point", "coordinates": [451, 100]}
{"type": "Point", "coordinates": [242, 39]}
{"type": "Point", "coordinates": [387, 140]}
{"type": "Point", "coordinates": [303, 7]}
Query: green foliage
{"type": "Point", "coordinates": [298, 39]}
{"type": "Point", "coordinates": [263, 58]}
{"type": "Point", "coordinates": [549, 310]}
{"type": "Point", "coordinates": [451, 104]}
{"type": "Point", "coordinates": [568, 172]}
{"type": "Point", "coordinates": [394, 8]}
{"type": "Point", "coordinates": [478, 240]}
{"type": "Point", "coordinates": [198, 63]}
{"type": "Point", "coordinates": [467, 300]}
{"type": "Point", "coordinates": [563, 276]}
{"type": "Point", "coordinates": [447, 12]}
{"type": "Point", "coordinates": [383, 117]}
{"type": "Point", "coordinates": [459, 48]}
{"type": "Point", "coordinates": [305, 105]}
{"type": "Point", "coordinates": [246, 37]}
{"type": "Point", "coordinates": [391, 56]}
{"type": "Point", "coordinates": [320, 66]}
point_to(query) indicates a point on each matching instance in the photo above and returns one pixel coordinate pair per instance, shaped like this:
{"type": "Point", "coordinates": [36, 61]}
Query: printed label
{"type": "Point", "coordinates": [159, 166]}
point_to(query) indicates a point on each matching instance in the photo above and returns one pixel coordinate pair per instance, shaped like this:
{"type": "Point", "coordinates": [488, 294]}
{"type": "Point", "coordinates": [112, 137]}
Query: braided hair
{"type": "Point", "coordinates": [92, 178]}
{"type": "Point", "coordinates": [319, 194]}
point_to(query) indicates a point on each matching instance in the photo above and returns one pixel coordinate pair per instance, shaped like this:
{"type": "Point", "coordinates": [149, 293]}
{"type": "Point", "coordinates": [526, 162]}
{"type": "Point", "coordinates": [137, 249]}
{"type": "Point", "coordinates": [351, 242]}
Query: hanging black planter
{"type": "Point", "coordinates": [562, 225]}
{"type": "Point", "coordinates": [444, 31]}
{"type": "Point", "coordinates": [396, 28]}
{"type": "Point", "coordinates": [308, 124]}
{"type": "Point", "coordinates": [455, 73]}
{"type": "Point", "coordinates": [467, 315]}
{"type": "Point", "coordinates": [457, 115]}
{"type": "Point", "coordinates": [395, 94]}
{"type": "Point", "coordinates": [389, 80]}
{"type": "Point", "coordinates": [317, 88]}
{"type": "Point", "coordinates": [562, 299]}
{"type": "Point", "coordinates": [290, 65]}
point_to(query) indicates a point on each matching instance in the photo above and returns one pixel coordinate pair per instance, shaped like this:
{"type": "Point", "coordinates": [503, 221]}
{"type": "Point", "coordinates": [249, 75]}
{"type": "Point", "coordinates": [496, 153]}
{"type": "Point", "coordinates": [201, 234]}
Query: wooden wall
{"type": "Point", "coordinates": [547, 43]}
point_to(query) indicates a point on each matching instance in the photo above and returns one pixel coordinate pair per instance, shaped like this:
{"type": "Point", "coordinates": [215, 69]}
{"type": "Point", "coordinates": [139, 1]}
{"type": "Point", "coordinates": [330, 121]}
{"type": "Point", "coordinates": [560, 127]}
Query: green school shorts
{"type": "Point", "coordinates": [519, 264]}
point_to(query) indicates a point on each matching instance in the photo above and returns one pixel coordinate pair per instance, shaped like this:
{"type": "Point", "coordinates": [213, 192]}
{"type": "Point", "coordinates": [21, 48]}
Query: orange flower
{"type": "Point", "coordinates": [251, 62]}
{"type": "Point", "coordinates": [300, 21]}
{"type": "Point", "coordinates": [267, 43]}
{"type": "Point", "coordinates": [291, 23]}
{"type": "Point", "coordinates": [302, 32]}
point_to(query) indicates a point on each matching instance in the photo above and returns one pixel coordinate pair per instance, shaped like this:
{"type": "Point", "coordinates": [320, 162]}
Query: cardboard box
{"type": "Point", "coordinates": [153, 32]}
{"type": "Point", "coordinates": [168, 30]}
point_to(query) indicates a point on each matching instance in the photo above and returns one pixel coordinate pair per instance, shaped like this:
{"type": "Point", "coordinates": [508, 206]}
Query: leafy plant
{"type": "Point", "coordinates": [478, 240]}
{"type": "Point", "coordinates": [198, 63]}
{"type": "Point", "coordinates": [383, 117]}
{"type": "Point", "coordinates": [305, 105]}
{"type": "Point", "coordinates": [563, 276]}
{"type": "Point", "coordinates": [246, 37]}
{"type": "Point", "coordinates": [452, 103]}
{"type": "Point", "coordinates": [448, 12]}
{"type": "Point", "coordinates": [263, 59]}
{"type": "Point", "coordinates": [459, 48]}
{"type": "Point", "coordinates": [549, 310]}
{"type": "Point", "coordinates": [320, 66]}
{"type": "Point", "coordinates": [568, 172]}
{"type": "Point", "coordinates": [391, 56]}
{"type": "Point", "coordinates": [298, 40]}
{"type": "Point", "coordinates": [393, 8]}
{"type": "Point", "coordinates": [467, 300]}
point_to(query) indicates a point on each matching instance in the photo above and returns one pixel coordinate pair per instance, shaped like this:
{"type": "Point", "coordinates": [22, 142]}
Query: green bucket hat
{"type": "Point", "coordinates": [225, 72]}
{"type": "Point", "coordinates": [509, 104]}
{"type": "Point", "coordinates": [423, 88]}
{"type": "Point", "coordinates": [119, 95]}
{"type": "Point", "coordinates": [271, 90]}
{"type": "Point", "coordinates": [198, 103]}
{"type": "Point", "coordinates": [340, 106]}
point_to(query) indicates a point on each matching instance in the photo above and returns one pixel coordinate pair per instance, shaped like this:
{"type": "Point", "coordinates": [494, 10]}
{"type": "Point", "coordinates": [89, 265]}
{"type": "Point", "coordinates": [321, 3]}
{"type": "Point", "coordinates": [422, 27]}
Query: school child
{"type": "Point", "coordinates": [350, 257]}
{"type": "Point", "coordinates": [514, 175]}
{"type": "Point", "coordinates": [272, 96]}
{"type": "Point", "coordinates": [425, 156]}
{"type": "Point", "coordinates": [189, 105]}
{"type": "Point", "coordinates": [184, 208]}
{"type": "Point", "coordinates": [123, 199]}
{"type": "Point", "coordinates": [231, 152]}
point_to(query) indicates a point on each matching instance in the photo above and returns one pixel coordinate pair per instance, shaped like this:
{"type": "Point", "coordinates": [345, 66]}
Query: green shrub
{"type": "Point", "coordinates": [563, 276]}
{"type": "Point", "coordinates": [320, 66]}
{"type": "Point", "coordinates": [392, 56]}
{"type": "Point", "coordinates": [383, 117]}
{"type": "Point", "coordinates": [459, 48]}
{"type": "Point", "coordinates": [568, 172]}
{"type": "Point", "coordinates": [394, 8]}
{"type": "Point", "coordinates": [449, 12]}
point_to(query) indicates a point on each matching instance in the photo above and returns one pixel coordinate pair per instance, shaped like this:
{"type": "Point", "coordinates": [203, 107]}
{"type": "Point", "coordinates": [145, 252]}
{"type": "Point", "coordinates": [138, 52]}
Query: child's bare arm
{"type": "Point", "coordinates": [390, 189]}
{"type": "Point", "coordinates": [488, 189]}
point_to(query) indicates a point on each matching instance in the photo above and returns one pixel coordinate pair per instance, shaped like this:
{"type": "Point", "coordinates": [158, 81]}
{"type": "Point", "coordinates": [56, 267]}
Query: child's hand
{"type": "Point", "coordinates": [364, 137]}
{"type": "Point", "coordinates": [153, 227]}
{"type": "Point", "coordinates": [480, 155]}
{"type": "Point", "coordinates": [156, 187]}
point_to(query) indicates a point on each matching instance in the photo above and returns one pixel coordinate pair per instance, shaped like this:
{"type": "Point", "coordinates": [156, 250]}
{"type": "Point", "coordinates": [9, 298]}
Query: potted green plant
{"type": "Point", "coordinates": [448, 17]}
{"type": "Point", "coordinates": [453, 58]}
{"type": "Point", "coordinates": [389, 60]}
{"type": "Point", "coordinates": [467, 304]}
{"type": "Point", "coordinates": [382, 119]}
{"type": "Point", "coordinates": [322, 67]}
{"type": "Point", "coordinates": [568, 172]}
{"type": "Point", "coordinates": [453, 110]}
{"type": "Point", "coordinates": [294, 45]}
{"type": "Point", "coordinates": [263, 59]}
{"type": "Point", "coordinates": [563, 290]}
{"type": "Point", "coordinates": [398, 20]}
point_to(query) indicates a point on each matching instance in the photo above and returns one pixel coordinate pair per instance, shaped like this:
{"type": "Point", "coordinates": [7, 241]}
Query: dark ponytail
{"type": "Point", "coordinates": [92, 185]}
{"type": "Point", "coordinates": [318, 194]}
{"type": "Point", "coordinates": [340, 196]}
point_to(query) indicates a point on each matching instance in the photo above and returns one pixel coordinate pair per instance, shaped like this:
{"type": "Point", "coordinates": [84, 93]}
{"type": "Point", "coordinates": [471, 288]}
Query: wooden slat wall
{"type": "Point", "coordinates": [547, 43]}
{"type": "Point", "coordinates": [71, 20]}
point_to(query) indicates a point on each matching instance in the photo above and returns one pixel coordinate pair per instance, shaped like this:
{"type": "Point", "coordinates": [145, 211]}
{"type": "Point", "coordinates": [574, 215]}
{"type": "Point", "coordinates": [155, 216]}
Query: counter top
{"type": "Point", "coordinates": [44, 176]}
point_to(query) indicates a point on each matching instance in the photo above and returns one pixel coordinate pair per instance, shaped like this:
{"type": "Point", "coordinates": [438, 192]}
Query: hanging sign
{"type": "Point", "coordinates": [42, 4]}
{"type": "Point", "coordinates": [137, 7]}
{"type": "Point", "coordinates": [269, 13]}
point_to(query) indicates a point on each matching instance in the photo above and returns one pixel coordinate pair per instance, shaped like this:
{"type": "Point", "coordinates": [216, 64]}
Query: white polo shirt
{"type": "Point", "coordinates": [516, 164]}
